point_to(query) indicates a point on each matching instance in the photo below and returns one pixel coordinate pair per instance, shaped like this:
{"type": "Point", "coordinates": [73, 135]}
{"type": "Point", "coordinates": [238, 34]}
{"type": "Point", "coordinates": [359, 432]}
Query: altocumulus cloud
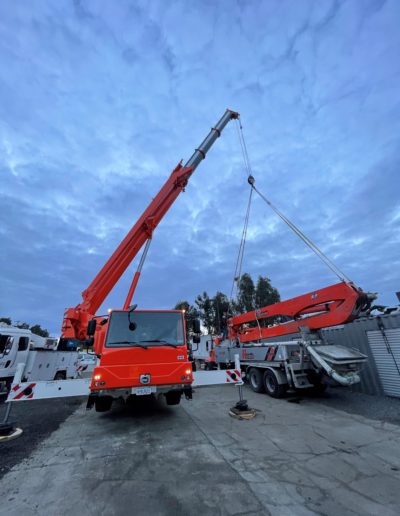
{"type": "Point", "coordinates": [100, 100]}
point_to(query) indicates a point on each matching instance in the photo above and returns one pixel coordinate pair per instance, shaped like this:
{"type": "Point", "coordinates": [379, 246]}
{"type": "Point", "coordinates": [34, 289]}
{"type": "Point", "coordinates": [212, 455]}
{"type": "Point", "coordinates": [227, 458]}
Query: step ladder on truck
{"type": "Point", "coordinates": [140, 352]}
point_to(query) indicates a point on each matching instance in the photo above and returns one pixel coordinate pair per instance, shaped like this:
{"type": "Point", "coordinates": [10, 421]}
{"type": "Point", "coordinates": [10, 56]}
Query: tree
{"type": "Point", "coordinates": [22, 325]}
{"type": "Point", "coordinates": [265, 293]}
{"type": "Point", "coordinates": [246, 294]}
{"type": "Point", "coordinates": [221, 312]}
{"type": "Point", "coordinates": [191, 313]}
{"type": "Point", "coordinates": [38, 330]}
{"type": "Point", "coordinates": [205, 307]}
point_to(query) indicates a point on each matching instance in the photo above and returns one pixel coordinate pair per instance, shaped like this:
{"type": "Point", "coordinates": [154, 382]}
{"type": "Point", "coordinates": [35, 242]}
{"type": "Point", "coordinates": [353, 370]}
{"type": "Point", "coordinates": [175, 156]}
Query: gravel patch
{"type": "Point", "coordinates": [379, 408]}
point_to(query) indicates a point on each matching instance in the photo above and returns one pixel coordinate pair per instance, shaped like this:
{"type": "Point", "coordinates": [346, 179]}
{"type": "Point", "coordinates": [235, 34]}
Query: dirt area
{"type": "Point", "coordinates": [379, 408]}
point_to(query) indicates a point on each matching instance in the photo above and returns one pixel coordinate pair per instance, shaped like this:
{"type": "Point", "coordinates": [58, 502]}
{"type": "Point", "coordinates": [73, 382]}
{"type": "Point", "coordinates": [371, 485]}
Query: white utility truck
{"type": "Point", "coordinates": [42, 356]}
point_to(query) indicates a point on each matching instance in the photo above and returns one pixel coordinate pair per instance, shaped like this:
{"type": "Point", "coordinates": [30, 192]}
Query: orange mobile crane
{"type": "Point", "coordinates": [140, 351]}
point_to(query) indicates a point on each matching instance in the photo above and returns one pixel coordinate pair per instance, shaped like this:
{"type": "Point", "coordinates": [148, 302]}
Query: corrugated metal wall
{"type": "Point", "coordinates": [385, 346]}
{"type": "Point", "coordinates": [354, 335]}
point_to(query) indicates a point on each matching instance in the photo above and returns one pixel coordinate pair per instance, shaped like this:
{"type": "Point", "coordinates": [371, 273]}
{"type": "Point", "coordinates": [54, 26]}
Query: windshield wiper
{"type": "Point", "coordinates": [133, 342]}
{"type": "Point", "coordinates": [164, 342]}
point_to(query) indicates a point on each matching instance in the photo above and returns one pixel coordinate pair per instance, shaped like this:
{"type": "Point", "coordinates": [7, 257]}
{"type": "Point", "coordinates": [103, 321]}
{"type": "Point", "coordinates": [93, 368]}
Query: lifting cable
{"type": "Point", "coordinates": [239, 261]}
{"type": "Point", "coordinates": [321, 255]}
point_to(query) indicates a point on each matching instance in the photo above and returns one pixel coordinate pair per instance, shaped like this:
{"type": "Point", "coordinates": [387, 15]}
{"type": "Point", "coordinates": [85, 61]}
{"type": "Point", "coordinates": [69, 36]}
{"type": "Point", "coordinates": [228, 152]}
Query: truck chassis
{"type": "Point", "coordinates": [278, 368]}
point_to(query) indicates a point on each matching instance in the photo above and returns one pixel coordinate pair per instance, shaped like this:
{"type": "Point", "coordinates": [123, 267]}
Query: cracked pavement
{"type": "Point", "coordinates": [292, 459]}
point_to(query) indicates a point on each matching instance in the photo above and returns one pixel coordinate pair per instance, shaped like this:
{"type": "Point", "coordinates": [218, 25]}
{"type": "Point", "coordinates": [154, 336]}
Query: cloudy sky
{"type": "Point", "coordinates": [99, 100]}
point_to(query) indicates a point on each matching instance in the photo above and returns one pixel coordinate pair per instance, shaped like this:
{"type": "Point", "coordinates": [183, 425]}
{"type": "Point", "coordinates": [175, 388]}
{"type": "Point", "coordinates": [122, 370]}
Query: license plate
{"type": "Point", "coordinates": [142, 391]}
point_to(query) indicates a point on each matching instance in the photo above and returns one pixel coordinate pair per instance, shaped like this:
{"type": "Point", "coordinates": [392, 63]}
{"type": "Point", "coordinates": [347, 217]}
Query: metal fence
{"type": "Point", "coordinates": [378, 337]}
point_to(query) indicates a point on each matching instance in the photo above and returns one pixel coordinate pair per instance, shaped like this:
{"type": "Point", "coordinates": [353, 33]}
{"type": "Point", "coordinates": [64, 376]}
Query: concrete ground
{"type": "Point", "coordinates": [39, 419]}
{"type": "Point", "coordinates": [292, 459]}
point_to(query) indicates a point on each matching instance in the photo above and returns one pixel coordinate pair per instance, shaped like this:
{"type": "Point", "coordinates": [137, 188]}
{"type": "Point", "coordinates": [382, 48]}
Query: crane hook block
{"type": "Point", "coordinates": [251, 180]}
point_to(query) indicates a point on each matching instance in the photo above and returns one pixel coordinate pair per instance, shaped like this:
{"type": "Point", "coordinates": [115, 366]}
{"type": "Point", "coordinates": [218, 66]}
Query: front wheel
{"type": "Point", "coordinates": [255, 377]}
{"type": "Point", "coordinates": [173, 397]}
{"type": "Point", "coordinates": [272, 387]}
{"type": "Point", "coordinates": [103, 403]}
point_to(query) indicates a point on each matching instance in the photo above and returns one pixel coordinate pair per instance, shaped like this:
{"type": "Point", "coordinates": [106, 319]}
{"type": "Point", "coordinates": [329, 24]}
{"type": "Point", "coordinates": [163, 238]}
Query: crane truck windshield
{"type": "Point", "coordinates": [150, 329]}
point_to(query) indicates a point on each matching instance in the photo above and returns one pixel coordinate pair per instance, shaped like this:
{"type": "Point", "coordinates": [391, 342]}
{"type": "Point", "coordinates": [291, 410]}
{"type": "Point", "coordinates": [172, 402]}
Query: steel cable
{"type": "Point", "coordinates": [321, 255]}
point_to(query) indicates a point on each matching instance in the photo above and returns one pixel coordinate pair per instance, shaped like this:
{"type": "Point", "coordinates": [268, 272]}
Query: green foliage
{"type": "Point", "coordinates": [250, 297]}
{"type": "Point", "coordinates": [215, 311]}
{"type": "Point", "coordinates": [205, 308]}
{"type": "Point", "coordinates": [246, 294]}
{"type": "Point", "coordinates": [22, 325]}
{"type": "Point", "coordinates": [265, 294]}
{"type": "Point", "coordinates": [220, 312]}
{"type": "Point", "coordinates": [191, 314]}
{"type": "Point", "coordinates": [36, 328]}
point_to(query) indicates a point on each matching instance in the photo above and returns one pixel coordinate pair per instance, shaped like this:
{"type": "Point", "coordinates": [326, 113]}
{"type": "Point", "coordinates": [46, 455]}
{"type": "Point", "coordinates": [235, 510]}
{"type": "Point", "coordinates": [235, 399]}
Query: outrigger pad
{"type": "Point", "coordinates": [242, 411]}
{"type": "Point", "coordinates": [7, 428]}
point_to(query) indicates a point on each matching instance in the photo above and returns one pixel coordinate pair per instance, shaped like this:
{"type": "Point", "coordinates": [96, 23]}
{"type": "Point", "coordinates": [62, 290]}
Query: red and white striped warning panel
{"type": "Point", "coordinates": [233, 376]}
{"type": "Point", "coordinates": [23, 391]}
{"type": "Point", "coordinates": [44, 390]}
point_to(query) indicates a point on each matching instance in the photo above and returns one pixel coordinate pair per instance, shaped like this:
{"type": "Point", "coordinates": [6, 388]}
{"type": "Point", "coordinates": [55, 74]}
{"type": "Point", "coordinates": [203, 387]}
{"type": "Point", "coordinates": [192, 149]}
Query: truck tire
{"type": "Point", "coordinates": [173, 397]}
{"type": "Point", "coordinates": [318, 388]}
{"type": "Point", "coordinates": [60, 375]}
{"type": "Point", "coordinates": [255, 378]}
{"type": "Point", "coordinates": [271, 385]}
{"type": "Point", "coordinates": [103, 403]}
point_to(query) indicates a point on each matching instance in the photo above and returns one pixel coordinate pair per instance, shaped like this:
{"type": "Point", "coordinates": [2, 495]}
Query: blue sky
{"type": "Point", "coordinates": [100, 100]}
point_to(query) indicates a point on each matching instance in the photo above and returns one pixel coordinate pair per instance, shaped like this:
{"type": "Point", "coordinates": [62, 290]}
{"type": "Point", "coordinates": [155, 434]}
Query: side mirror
{"type": "Point", "coordinates": [196, 326]}
{"type": "Point", "coordinates": [91, 327]}
{"type": "Point", "coordinates": [196, 339]}
{"type": "Point", "coordinates": [89, 342]}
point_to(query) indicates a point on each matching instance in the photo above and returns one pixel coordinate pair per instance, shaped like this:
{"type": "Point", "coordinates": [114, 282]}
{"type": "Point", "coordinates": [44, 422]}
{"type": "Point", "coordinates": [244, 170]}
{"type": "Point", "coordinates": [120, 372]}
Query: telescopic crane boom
{"type": "Point", "coordinates": [76, 319]}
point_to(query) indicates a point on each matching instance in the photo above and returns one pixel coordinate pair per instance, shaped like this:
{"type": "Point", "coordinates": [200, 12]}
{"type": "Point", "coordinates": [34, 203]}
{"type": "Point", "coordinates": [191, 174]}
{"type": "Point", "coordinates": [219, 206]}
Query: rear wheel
{"type": "Point", "coordinates": [272, 387]}
{"type": "Point", "coordinates": [60, 375]}
{"type": "Point", "coordinates": [103, 403]}
{"type": "Point", "coordinates": [173, 397]}
{"type": "Point", "coordinates": [319, 388]}
{"type": "Point", "coordinates": [255, 378]}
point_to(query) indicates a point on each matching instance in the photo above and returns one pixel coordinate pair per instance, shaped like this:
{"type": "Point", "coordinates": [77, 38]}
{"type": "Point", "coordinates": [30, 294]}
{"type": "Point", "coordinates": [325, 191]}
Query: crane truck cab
{"type": "Point", "coordinates": [142, 352]}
